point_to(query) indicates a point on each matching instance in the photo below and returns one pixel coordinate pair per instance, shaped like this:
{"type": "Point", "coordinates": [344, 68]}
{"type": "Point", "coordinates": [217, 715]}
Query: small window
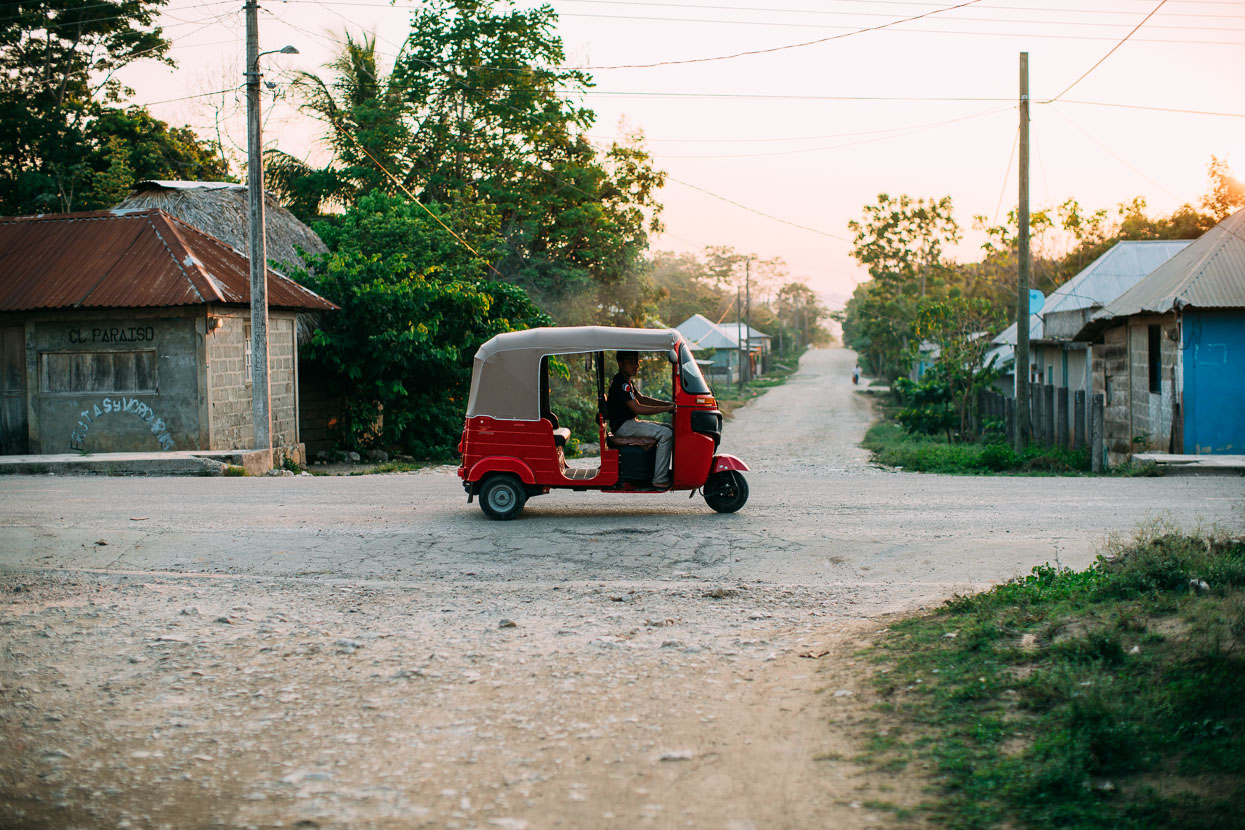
{"type": "Point", "coordinates": [247, 353]}
{"type": "Point", "coordinates": [1156, 360]}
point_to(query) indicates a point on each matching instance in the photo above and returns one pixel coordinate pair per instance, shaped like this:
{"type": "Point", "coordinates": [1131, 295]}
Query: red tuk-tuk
{"type": "Point", "coordinates": [513, 448]}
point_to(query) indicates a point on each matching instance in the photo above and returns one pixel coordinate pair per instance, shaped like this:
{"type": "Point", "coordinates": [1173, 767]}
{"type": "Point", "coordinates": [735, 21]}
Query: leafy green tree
{"type": "Point", "coordinates": [901, 242]}
{"type": "Point", "coordinates": [475, 109]}
{"type": "Point", "coordinates": [415, 306]}
{"type": "Point", "coordinates": [1227, 193]}
{"type": "Point", "coordinates": [960, 327]}
{"type": "Point", "coordinates": [58, 60]}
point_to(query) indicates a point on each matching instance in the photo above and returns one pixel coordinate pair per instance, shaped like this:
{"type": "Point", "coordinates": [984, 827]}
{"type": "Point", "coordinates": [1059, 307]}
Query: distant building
{"type": "Point", "coordinates": [129, 330]}
{"type": "Point", "coordinates": [724, 340]}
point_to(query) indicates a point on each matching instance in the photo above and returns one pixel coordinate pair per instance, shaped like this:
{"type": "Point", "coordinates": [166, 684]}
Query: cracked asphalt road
{"type": "Point", "coordinates": [372, 651]}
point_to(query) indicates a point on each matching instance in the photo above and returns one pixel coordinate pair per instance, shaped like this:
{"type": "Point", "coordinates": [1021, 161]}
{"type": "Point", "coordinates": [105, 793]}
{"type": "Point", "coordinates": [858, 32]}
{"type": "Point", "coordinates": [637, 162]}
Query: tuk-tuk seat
{"type": "Point", "coordinates": [644, 442]}
{"type": "Point", "coordinates": [560, 436]}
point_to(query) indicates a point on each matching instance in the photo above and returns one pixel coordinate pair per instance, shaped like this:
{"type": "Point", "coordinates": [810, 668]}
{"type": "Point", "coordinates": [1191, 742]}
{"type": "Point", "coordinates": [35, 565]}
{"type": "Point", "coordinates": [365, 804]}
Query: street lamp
{"type": "Point", "coordinates": [261, 397]}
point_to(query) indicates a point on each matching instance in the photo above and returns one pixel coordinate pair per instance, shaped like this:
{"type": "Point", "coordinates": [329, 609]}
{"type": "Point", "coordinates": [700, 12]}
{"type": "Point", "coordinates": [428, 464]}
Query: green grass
{"type": "Point", "coordinates": [1109, 697]}
{"type": "Point", "coordinates": [893, 447]}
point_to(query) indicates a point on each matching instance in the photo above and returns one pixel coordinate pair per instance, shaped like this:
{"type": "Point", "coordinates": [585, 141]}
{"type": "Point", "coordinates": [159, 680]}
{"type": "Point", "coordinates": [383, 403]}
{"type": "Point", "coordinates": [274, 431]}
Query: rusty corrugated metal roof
{"type": "Point", "coordinates": [127, 259]}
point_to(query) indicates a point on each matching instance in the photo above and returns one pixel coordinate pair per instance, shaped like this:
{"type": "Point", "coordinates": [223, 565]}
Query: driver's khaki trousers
{"type": "Point", "coordinates": [665, 438]}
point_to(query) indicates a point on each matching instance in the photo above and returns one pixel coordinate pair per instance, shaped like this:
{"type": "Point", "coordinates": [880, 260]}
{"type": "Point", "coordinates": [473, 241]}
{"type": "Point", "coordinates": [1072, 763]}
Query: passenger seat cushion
{"type": "Point", "coordinates": [560, 436]}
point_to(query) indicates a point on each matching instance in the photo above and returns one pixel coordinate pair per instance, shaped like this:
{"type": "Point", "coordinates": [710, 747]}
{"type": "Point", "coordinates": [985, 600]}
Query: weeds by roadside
{"type": "Point", "coordinates": [1109, 697]}
{"type": "Point", "coordinates": [893, 447]}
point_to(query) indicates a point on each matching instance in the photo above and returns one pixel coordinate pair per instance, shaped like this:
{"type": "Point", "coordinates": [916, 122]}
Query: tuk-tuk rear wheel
{"type": "Point", "coordinates": [502, 496]}
{"type": "Point", "coordinates": [726, 491]}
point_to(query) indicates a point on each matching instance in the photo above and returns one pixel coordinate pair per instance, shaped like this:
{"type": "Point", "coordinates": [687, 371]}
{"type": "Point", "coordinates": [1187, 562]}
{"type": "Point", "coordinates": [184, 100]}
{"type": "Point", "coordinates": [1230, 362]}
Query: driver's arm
{"type": "Point", "coordinates": [649, 406]}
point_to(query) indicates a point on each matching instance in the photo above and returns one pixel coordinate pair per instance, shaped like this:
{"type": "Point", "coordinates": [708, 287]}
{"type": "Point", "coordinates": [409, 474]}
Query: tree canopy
{"type": "Point", "coordinates": [476, 110]}
{"type": "Point", "coordinates": [70, 145]}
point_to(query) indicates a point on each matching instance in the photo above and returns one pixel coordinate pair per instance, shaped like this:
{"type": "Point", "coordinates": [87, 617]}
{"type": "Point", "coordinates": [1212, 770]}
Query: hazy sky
{"type": "Point", "coordinates": [807, 135]}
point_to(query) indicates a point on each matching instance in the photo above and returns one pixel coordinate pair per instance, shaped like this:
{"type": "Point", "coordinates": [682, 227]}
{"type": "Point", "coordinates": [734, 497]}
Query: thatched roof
{"type": "Point", "coordinates": [221, 209]}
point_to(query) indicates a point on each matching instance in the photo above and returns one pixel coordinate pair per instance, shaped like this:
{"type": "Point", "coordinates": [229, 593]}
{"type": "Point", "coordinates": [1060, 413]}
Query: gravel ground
{"type": "Point", "coordinates": [372, 652]}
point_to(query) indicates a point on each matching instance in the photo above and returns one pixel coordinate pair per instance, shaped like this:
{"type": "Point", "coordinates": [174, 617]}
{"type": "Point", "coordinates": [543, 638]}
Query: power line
{"type": "Point", "coordinates": [757, 212]}
{"type": "Point", "coordinates": [829, 12]}
{"type": "Point", "coordinates": [900, 132]}
{"type": "Point", "coordinates": [1109, 53]}
{"type": "Point", "coordinates": [790, 45]}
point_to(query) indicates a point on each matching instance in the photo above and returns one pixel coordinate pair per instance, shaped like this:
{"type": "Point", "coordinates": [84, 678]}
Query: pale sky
{"type": "Point", "coordinates": [806, 136]}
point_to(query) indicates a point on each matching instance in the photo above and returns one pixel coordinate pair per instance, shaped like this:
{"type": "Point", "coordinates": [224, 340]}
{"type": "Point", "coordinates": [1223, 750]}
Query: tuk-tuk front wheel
{"type": "Point", "coordinates": [726, 491]}
{"type": "Point", "coordinates": [502, 496]}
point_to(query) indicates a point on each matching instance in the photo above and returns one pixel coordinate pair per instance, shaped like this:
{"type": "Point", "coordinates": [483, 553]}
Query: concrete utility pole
{"type": "Point", "coordinates": [1021, 431]}
{"type": "Point", "coordinates": [261, 397]}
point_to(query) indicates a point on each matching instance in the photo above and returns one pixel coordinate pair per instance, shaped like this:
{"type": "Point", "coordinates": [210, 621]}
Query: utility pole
{"type": "Point", "coordinates": [257, 253]}
{"type": "Point", "coordinates": [748, 312]}
{"type": "Point", "coordinates": [1021, 431]}
{"type": "Point", "coordinates": [739, 334]}
{"type": "Point", "coordinates": [261, 400]}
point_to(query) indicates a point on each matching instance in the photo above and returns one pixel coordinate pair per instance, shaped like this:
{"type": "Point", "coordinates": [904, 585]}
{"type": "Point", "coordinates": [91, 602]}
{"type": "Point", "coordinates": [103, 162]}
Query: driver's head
{"type": "Point", "coordinates": [628, 362]}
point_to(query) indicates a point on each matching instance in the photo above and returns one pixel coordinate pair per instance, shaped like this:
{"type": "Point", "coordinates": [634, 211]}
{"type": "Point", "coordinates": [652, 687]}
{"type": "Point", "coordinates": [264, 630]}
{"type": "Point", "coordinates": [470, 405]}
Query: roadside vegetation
{"type": "Point", "coordinates": [1108, 697]}
{"type": "Point", "coordinates": [892, 446]}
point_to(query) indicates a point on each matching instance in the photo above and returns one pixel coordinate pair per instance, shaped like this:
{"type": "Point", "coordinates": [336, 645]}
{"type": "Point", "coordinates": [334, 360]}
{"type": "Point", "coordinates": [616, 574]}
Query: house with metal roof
{"type": "Point", "coordinates": [1169, 353]}
{"type": "Point", "coordinates": [724, 340]}
{"type": "Point", "coordinates": [129, 330]}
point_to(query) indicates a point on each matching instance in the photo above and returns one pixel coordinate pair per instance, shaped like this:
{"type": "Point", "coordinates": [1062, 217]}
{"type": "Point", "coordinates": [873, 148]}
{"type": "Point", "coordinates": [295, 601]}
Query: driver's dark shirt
{"type": "Point", "coordinates": [622, 389]}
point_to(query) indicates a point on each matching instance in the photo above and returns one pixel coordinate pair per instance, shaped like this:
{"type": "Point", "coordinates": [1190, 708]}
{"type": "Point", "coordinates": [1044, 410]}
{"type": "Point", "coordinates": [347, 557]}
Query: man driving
{"type": "Point", "coordinates": [625, 402]}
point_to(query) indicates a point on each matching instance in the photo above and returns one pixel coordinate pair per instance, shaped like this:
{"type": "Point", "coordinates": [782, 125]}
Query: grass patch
{"type": "Point", "coordinates": [893, 447]}
{"type": "Point", "coordinates": [1109, 697]}
{"type": "Point", "coordinates": [234, 470]}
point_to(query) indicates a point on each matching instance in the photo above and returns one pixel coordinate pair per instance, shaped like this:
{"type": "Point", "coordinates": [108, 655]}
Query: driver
{"type": "Point", "coordinates": [625, 402]}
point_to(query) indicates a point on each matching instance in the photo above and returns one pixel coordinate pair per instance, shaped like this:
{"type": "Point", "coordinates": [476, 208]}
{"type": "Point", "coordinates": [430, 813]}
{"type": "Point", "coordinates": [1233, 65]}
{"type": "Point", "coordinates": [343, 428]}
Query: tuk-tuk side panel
{"type": "Point", "coordinates": [501, 464]}
{"type": "Point", "coordinates": [527, 449]}
{"type": "Point", "coordinates": [531, 442]}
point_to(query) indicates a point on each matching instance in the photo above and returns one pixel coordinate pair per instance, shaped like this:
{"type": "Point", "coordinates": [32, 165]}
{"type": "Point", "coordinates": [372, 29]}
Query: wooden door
{"type": "Point", "coordinates": [13, 430]}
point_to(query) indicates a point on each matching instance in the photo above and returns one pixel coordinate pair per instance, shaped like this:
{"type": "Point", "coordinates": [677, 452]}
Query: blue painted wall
{"type": "Point", "coordinates": [1214, 382]}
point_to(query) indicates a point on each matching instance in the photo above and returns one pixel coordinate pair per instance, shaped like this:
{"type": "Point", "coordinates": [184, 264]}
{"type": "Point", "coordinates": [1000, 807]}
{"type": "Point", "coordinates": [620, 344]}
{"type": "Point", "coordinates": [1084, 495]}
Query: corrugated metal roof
{"type": "Point", "coordinates": [127, 259]}
{"type": "Point", "coordinates": [1210, 273]}
{"type": "Point", "coordinates": [1118, 269]}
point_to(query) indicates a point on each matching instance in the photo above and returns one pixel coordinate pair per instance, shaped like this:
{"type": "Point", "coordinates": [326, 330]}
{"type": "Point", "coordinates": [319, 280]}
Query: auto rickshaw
{"type": "Point", "coordinates": [513, 448]}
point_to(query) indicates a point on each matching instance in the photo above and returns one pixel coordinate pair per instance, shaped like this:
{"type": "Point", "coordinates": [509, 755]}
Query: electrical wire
{"type": "Point", "coordinates": [1112, 153]}
{"type": "Point", "coordinates": [901, 133]}
{"type": "Point", "coordinates": [1086, 73]}
{"type": "Point", "coordinates": [757, 212]}
{"type": "Point", "coordinates": [790, 45]}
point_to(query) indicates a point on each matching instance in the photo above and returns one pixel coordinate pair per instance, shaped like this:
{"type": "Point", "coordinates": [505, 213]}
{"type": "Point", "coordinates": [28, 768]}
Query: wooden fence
{"type": "Point", "coordinates": [1058, 417]}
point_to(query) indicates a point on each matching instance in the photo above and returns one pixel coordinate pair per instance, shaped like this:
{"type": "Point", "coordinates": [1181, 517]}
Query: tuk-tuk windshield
{"type": "Point", "coordinates": [693, 380]}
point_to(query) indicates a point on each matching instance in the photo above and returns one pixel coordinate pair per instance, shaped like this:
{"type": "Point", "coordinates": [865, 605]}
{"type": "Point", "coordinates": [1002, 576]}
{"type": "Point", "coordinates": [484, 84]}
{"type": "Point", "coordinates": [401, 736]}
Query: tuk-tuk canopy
{"type": "Point", "coordinates": [505, 380]}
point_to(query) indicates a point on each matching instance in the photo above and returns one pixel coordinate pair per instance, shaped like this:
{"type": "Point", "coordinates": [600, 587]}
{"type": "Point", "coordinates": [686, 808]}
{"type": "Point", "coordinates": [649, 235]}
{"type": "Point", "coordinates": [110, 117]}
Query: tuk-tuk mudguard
{"type": "Point", "coordinates": [728, 462]}
{"type": "Point", "coordinates": [501, 464]}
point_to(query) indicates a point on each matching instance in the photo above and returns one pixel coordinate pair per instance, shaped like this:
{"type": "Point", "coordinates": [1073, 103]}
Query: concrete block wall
{"type": "Point", "coordinates": [282, 361]}
{"type": "Point", "coordinates": [230, 389]}
{"type": "Point", "coordinates": [1152, 411]}
{"type": "Point", "coordinates": [1112, 381]}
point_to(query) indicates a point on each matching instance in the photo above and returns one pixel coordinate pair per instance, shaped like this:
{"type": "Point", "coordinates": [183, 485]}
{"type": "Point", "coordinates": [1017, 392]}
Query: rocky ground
{"type": "Point", "coordinates": [146, 701]}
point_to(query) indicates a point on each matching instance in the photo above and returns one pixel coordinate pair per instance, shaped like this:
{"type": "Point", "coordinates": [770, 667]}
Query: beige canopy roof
{"type": "Point", "coordinates": [505, 381]}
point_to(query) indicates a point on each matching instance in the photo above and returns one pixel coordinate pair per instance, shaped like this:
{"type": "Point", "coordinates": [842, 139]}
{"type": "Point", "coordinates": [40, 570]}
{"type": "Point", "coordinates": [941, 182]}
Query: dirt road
{"type": "Point", "coordinates": [372, 651]}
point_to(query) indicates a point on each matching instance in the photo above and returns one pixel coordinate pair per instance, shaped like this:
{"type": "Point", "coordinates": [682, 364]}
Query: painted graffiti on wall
{"type": "Point", "coordinates": [108, 406]}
